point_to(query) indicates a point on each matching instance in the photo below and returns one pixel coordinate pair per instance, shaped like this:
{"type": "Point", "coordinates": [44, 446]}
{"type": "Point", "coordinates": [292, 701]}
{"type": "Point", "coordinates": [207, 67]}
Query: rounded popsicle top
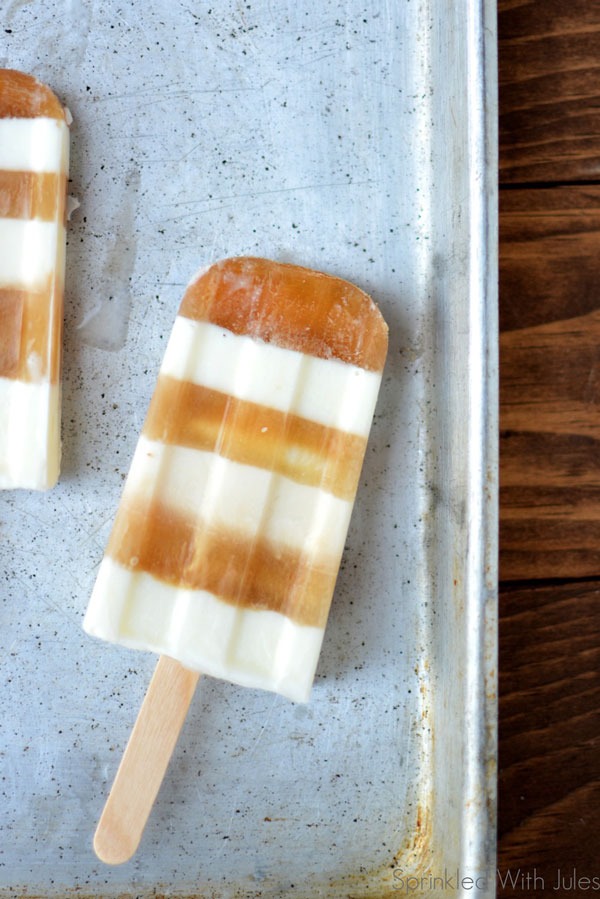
{"type": "Point", "coordinates": [24, 97]}
{"type": "Point", "coordinates": [292, 307]}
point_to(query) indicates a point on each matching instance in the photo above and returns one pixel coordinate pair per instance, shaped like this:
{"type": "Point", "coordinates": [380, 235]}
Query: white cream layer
{"type": "Point", "coordinates": [28, 252]}
{"type": "Point", "coordinates": [239, 497]}
{"type": "Point", "coordinates": [327, 391]}
{"type": "Point", "coordinates": [253, 648]}
{"type": "Point", "coordinates": [34, 145]}
{"type": "Point", "coordinates": [29, 434]}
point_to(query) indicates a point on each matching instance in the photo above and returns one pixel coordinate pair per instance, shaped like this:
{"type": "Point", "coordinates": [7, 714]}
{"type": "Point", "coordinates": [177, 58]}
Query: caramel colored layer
{"type": "Point", "coordinates": [30, 195]}
{"type": "Point", "coordinates": [190, 415]}
{"type": "Point", "coordinates": [31, 334]}
{"type": "Point", "coordinates": [24, 97]}
{"type": "Point", "coordinates": [243, 571]}
{"type": "Point", "coordinates": [11, 324]}
{"type": "Point", "coordinates": [290, 306]}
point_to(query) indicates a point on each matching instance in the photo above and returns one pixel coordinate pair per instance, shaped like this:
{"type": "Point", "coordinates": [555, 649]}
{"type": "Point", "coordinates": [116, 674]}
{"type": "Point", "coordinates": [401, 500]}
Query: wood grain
{"type": "Point", "coordinates": [549, 245]}
{"type": "Point", "coordinates": [144, 761]}
{"type": "Point", "coordinates": [549, 781]}
{"type": "Point", "coordinates": [550, 383]}
{"type": "Point", "coordinates": [549, 784]}
{"type": "Point", "coordinates": [549, 75]}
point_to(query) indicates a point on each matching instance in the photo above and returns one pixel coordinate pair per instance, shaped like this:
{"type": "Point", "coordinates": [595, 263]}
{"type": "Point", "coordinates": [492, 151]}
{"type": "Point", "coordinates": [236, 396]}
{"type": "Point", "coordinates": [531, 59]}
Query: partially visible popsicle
{"type": "Point", "coordinates": [34, 159]}
{"type": "Point", "coordinates": [228, 539]}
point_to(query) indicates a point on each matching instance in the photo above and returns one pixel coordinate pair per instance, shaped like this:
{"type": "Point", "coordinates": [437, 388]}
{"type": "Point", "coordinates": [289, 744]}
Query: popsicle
{"type": "Point", "coordinates": [34, 158]}
{"type": "Point", "coordinates": [228, 538]}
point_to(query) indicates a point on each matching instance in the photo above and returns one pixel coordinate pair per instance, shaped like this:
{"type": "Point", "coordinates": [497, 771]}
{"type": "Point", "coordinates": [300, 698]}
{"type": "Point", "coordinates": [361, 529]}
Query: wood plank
{"type": "Point", "coordinates": [549, 246]}
{"type": "Point", "coordinates": [550, 383]}
{"type": "Point", "coordinates": [549, 74]}
{"type": "Point", "coordinates": [549, 780]}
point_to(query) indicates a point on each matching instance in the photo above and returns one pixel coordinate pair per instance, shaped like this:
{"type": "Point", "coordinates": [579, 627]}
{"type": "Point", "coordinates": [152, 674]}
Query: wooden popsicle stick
{"type": "Point", "coordinates": [145, 761]}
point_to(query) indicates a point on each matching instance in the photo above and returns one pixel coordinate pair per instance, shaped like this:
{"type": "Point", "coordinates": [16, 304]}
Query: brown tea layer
{"type": "Point", "coordinates": [246, 572]}
{"type": "Point", "coordinates": [31, 195]}
{"type": "Point", "coordinates": [292, 307]}
{"type": "Point", "coordinates": [30, 334]}
{"type": "Point", "coordinates": [24, 97]}
{"type": "Point", "coordinates": [193, 416]}
{"type": "Point", "coordinates": [11, 323]}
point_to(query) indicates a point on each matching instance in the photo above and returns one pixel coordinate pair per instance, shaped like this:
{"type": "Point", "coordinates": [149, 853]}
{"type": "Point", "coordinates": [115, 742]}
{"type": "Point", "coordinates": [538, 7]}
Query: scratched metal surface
{"type": "Point", "coordinates": [354, 137]}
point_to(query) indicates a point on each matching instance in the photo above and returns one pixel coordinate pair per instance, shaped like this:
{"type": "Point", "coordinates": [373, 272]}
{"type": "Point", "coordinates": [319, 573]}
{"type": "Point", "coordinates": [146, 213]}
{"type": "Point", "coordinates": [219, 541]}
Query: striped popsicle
{"type": "Point", "coordinates": [228, 538]}
{"type": "Point", "coordinates": [34, 158]}
{"type": "Point", "coordinates": [227, 542]}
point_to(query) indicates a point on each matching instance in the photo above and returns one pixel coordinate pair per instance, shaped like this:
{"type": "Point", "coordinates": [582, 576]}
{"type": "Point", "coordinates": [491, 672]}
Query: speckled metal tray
{"type": "Point", "coordinates": [358, 138]}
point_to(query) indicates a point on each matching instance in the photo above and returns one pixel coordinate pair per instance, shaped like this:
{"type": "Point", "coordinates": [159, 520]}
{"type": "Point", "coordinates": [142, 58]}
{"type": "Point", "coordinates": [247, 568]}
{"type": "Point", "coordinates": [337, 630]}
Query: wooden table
{"type": "Point", "coordinates": [549, 774]}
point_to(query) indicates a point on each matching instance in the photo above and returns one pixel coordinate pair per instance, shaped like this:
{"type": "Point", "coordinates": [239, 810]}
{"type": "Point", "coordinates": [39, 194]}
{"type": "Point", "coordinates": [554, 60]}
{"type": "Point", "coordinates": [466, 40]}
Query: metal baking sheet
{"type": "Point", "coordinates": [358, 138]}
